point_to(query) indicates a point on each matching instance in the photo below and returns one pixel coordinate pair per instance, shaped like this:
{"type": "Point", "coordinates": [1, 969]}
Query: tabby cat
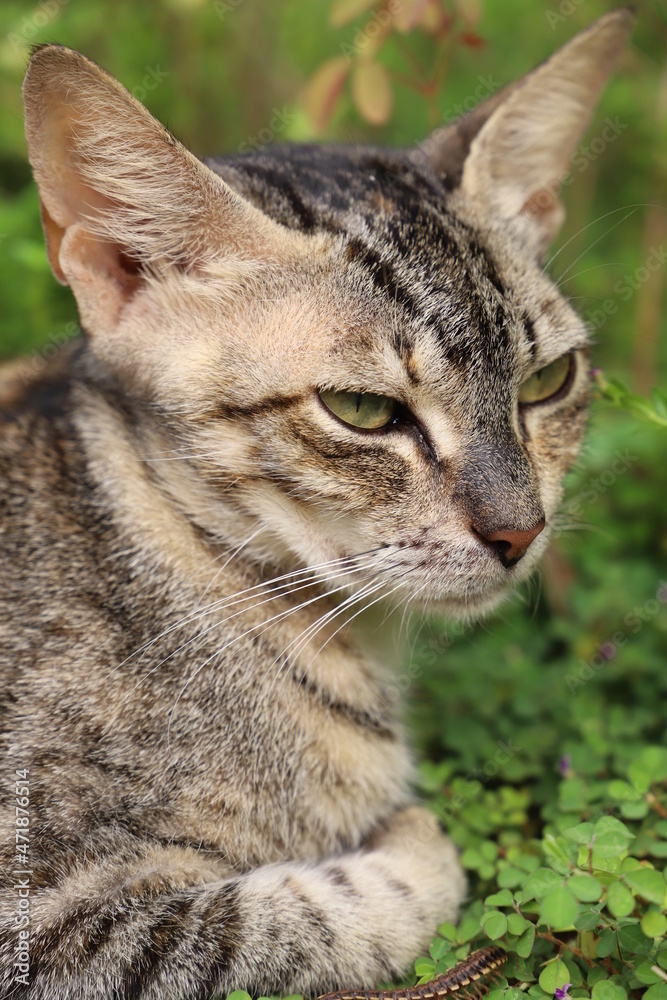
{"type": "Point", "coordinates": [310, 379]}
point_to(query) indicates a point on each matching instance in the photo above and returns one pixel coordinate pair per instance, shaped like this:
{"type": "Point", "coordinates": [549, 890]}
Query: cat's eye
{"type": "Point", "coordinates": [548, 381]}
{"type": "Point", "coordinates": [364, 410]}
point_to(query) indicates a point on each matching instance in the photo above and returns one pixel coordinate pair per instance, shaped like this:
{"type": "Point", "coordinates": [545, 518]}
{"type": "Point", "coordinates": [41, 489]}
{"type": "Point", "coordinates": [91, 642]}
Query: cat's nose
{"type": "Point", "coordinates": [510, 544]}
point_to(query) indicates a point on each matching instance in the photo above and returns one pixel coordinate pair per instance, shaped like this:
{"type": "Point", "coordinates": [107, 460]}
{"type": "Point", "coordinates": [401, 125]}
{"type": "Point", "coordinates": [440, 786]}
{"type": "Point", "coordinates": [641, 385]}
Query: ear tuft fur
{"type": "Point", "coordinates": [510, 154]}
{"type": "Point", "coordinates": [101, 160]}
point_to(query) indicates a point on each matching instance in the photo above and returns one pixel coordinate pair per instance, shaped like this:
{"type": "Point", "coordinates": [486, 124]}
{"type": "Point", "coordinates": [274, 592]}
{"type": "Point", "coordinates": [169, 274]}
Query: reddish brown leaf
{"type": "Point", "coordinates": [472, 40]}
{"type": "Point", "coordinates": [322, 91]}
{"type": "Point", "coordinates": [410, 13]}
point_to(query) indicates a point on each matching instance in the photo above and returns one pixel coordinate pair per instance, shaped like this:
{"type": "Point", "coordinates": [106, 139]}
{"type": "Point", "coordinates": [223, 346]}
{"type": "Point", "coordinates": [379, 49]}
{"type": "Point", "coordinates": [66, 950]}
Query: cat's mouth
{"type": "Point", "coordinates": [458, 581]}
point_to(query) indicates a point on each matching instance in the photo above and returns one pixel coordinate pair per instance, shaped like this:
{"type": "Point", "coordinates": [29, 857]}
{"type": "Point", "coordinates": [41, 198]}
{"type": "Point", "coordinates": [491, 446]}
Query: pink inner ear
{"type": "Point", "coordinates": [102, 275]}
{"type": "Point", "coordinates": [54, 237]}
{"type": "Point", "coordinates": [102, 256]}
{"type": "Point", "coordinates": [541, 204]}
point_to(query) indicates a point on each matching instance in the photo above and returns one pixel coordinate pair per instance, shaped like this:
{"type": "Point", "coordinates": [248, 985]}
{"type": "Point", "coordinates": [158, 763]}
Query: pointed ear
{"type": "Point", "coordinates": [510, 154]}
{"type": "Point", "coordinates": [120, 197]}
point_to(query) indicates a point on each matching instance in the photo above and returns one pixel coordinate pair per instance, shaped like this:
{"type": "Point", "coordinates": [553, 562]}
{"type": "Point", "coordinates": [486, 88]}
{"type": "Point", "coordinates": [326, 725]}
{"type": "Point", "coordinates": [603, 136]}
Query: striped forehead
{"type": "Point", "coordinates": [434, 270]}
{"type": "Point", "coordinates": [398, 235]}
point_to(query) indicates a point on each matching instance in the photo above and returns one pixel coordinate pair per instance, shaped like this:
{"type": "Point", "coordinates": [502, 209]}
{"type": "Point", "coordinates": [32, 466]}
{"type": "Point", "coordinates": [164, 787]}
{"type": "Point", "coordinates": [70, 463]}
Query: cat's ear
{"type": "Point", "coordinates": [120, 196]}
{"type": "Point", "coordinates": [510, 154]}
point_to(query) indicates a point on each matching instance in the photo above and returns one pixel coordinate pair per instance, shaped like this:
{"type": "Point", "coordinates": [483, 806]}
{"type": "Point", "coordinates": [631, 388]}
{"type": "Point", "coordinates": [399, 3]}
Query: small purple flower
{"type": "Point", "coordinates": [608, 651]}
{"type": "Point", "coordinates": [562, 994]}
{"type": "Point", "coordinates": [565, 765]}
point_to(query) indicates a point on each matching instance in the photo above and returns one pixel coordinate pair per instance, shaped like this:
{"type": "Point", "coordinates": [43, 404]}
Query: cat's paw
{"type": "Point", "coordinates": [426, 860]}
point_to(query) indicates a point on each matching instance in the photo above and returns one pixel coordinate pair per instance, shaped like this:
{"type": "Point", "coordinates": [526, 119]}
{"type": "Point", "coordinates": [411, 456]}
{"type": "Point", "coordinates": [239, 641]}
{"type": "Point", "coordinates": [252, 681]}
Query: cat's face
{"type": "Point", "coordinates": [421, 305]}
{"type": "Point", "coordinates": [355, 354]}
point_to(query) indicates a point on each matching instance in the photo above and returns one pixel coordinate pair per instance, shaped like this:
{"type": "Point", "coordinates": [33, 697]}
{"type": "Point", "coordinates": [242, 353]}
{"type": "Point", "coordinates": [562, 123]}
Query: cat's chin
{"type": "Point", "coordinates": [479, 599]}
{"type": "Point", "coordinates": [471, 608]}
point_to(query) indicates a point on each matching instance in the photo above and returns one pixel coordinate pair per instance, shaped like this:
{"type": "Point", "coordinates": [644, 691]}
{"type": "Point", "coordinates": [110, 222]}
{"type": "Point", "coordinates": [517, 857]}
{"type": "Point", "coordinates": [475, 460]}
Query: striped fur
{"type": "Point", "coordinates": [220, 789]}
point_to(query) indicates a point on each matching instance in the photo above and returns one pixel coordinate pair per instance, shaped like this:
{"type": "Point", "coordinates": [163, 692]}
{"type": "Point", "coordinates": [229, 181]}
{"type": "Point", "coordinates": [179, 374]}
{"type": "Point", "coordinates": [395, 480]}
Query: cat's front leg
{"type": "Point", "coordinates": [159, 925]}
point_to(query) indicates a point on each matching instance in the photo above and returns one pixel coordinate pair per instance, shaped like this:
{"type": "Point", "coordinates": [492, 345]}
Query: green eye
{"type": "Point", "coordinates": [547, 382]}
{"type": "Point", "coordinates": [360, 409]}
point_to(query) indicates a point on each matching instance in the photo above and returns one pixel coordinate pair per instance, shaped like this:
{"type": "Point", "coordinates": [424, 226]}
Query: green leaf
{"type": "Point", "coordinates": [502, 898]}
{"type": "Point", "coordinates": [554, 976]}
{"type": "Point", "coordinates": [650, 767]}
{"type": "Point", "coordinates": [238, 995]}
{"type": "Point", "coordinates": [541, 882]}
{"type": "Point", "coordinates": [622, 791]}
{"type": "Point", "coordinates": [559, 909]}
{"type": "Point", "coordinates": [659, 399]}
{"type": "Point", "coordinates": [630, 938]}
{"type": "Point", "coordinates": [572, 795]}
{"type": "Point", "coordinates": [448, 931]}
{"type": "Point", "coordinates": [646, 975]}
{"type": "Point", "coordinates": [634, 810]}
{"type": "Point", "coordinates": [609, 824]}
{"type": "Point", "coordinates": [596, 975]}
{"type": "Point", "coordinates": [558, 852]}
{"type": "Point", "coordinates": [620, 900]}
{"type": "Point", "coordinates": [586, 888]}
{"type": "Point", "coordinates": [469, 927]}
{"type": "Point", "coordinates": [607, 943]}
{"type": "Point", "coordinates": [611, 837]}
{"type": "Point", "coordinates": [580, 834]}
{"type": "Point", "coordinates": [471, 858]}
{"type": "Point", "coordinates": [516, 924]}
{"type": "Point", "coordinates": [511, 877]}
{"type": "Point", "coordinates": [587, 921]}
{"type": "Point", "coordinates": [604, 990]}
{"type": "Point", "coordinates": [524, 945]}
{"type": "Point", "coordinates": [648, 883]}
{"type": "Point", "coordinates": [654, 924]}
{"type": "Point", "coordinates": [494, 924]}
{"type": "Point", "coordinates": [438, 948]}
{"type": "Point", "coordinates": [425, 967]}
{"type": "Point", "coordinates": [657, 992]}
{"type": "Point", "coordinates": [605, 868]}
{"type": "Point", "coordinates": [488, 850]}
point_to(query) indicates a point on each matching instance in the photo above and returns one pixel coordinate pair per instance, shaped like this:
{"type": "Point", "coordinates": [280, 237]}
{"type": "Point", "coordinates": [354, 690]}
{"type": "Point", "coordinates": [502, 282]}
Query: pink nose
{"type": "Point", "coordinates": [511, 544]}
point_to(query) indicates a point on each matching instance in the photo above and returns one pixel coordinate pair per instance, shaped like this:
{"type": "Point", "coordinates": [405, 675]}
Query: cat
{"type": "Point", "coordinates": [310, 379]}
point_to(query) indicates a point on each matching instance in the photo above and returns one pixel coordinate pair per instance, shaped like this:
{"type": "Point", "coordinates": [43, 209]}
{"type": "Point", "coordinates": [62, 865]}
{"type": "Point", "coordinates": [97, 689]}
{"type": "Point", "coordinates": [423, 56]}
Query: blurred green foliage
{"type": "Point", "coordinates": [537, 721]}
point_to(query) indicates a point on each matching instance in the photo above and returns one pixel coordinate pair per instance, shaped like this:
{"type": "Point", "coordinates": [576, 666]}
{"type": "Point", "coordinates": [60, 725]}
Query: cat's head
{"type": "Point", "coordinates": [355, 352]}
